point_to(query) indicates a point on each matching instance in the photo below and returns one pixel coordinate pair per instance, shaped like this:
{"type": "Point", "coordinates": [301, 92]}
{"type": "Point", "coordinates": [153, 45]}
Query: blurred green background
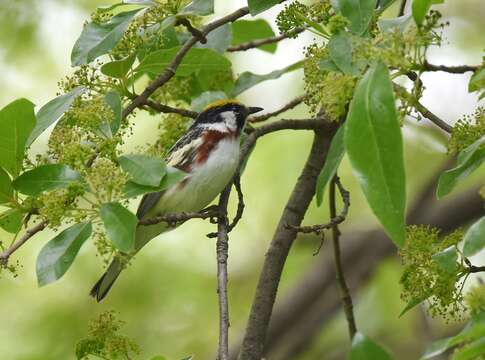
{"type": "Point", "coordinates": [168, 296]}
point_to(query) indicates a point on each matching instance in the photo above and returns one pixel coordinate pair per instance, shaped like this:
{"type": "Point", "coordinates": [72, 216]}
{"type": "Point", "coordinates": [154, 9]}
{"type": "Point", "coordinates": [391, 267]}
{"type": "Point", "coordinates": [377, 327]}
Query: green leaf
{"type": "Point", "coordinates": [400, 23]}
{"type": "Point", "coordinates": [412, 304]}
{"type": "Point", "coordinates": [199, 7]}
{"type": "Point", "coordinates": [118, 68]}
{"type": "Point", "coordinates": [384, 4]}
{"type": "Point", "coordinates": [105, 8]}
{"type": "Point", "coordinates": [374, 146]}
{"type": "Point", "coordinates": [474, 238]}
{"type": "Point", "coordinates": [248, 30]}
{"type": "Point", "coordinates": [471, 351]}
{"type": "Point", "coordinates": [11, 220]}
{"type": "Point", "coordinates": [364, 348]}
{"type": "Point", "coordinates": [477, 81]}
{"type": "Point", "coordinates": [204, 99]}
{"type": "Point", "coordinates": [474, 329]}
{"type": "Point", "coordinates": [195, 60]}
{"type": "Point", "coordinates": [172, 177]}
{"type": "Point", "coordinates": [258, 6]}
{"type": "Point", "coordinates": [447, 259]}
{"type": "Point", "coordinates": [52, 111]}
{"type": "Point", "coordinates": [57, 255]}
{"type": "Point", "coordinates": [248, 79]}
{"type": "Point", "coordinates": [97, 39]}
{"type": "Point", "coordinates": [144, 170]}
{"type": "Point", "coordinates": [469, 159]}
{"type": "Point", "coordinates": [420, 9]}
{"type": "Point", "coordinates": [17, 120]}
{"type": "Point", "coordinates": [120, 225]}
{"type": "Point", "coordinates": [328, 65]}
{"type": "Point", "coordinates": [332, 162]}
{"type": "Point", "coordinates": [6, 189]}
{"type": "Point", "coordinates": [45, 178]}
{"type": "Point", "coordinates": [340, 50]}
{"type": "Point", "coordinates": [159, 357]}
{"type": "Point", "coordinates": [359, 12]}
{"type": "Point", "coordinates": [113, 100]}
{"type": "Point", "coordinates": [218, 39]}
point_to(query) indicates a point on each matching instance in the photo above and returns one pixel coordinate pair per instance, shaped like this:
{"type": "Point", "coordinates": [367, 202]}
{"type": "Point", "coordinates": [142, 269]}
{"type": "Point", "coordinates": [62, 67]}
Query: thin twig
{"type": "Point", "coordinates": [260, 42]}
{"type": "Point", "coordinates": [170, 110]}
{"type": "Point", "coordinates": [334, 219]}
{"type": "Point", "coordinates": [222, 248]}
{"type": "Point", "coordinates": [450, 69]}
{"type": "Point", "coordinates": [28, 234]}
{"type": "Point", "coordinates": [475, 269]}
{"type": "Point", "coordinates": [293, 103]}
{"type": "Point", "coordinates": [402, 8]}
{"type": "Point", "coordinates": [195, 32]}
{"type": "Point", "coordinates": [240, 203]}
{"type": "Point", "coordinates": [339, 272]}
{"type": "Point", "coordinates": [170, 70]}
{"type": "Point", "coordinates": [423, 110]}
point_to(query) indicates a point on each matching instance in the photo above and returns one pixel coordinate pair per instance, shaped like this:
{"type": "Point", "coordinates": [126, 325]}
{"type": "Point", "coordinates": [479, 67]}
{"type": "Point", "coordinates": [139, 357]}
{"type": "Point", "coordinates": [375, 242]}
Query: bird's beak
{"type": "Point", "coordinates": [253, 110]}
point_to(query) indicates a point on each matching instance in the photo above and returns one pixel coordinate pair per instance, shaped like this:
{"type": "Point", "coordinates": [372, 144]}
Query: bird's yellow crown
{"type": "Point", "coordinates": [219, 103]}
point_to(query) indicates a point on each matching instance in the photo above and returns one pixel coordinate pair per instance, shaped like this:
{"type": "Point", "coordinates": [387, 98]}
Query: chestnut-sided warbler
{"type": "Point", "coordinates": [209, 153]}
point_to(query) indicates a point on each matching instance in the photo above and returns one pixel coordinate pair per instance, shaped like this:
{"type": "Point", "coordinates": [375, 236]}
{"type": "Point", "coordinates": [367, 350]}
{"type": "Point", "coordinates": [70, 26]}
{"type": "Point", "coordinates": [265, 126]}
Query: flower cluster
{"type": "Point", "coordinates": [424, 278]}
{"type": "Point", "coordinates": [172, 128]}
{"type": "Point", "coordinates": [104, 340]}
{"type": "Point", "coordinates": [467, 130]}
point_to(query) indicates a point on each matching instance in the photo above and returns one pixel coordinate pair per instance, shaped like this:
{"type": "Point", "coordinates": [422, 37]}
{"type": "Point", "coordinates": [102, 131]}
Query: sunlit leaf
{"type": "Point", "coordinates": [143, 169]}
{"type": "Point", "coordinates": [447, 259]}
{"type": "Point", "coordinates": [45, 178]}
{"type": "Point", "coordinates": [374, 145]}
{"type": "Point", "coordinates": [359, 12]}
{"type": "Point", "coordinates": [400, 23]}
{"type": "Point", "coordinates": [206, 98]}
{"type": "Point", "coordinates": [474, 238]}
{"type": "Point", "coordinates": [118, 68]}
{"type": "Point", "coordinates": [127, 2]}
{"type": "Point", "coordinates": [6, 189]}
{"type": "Point", "coordinates": [477, 81]}
{"type": "Point", "coordinates": [17, 120]}
{"type": "Point", "coordinates": [332, 162]}
{"type": "Point", "coordinates": [172, 177]}
{"type": "Point", "coordinates": [52, 111]}
{"type": "Point", "coordinates": [97, 39]}
{"type": "Point", "coordinates": [340, 50]}
{"type": "Point", "coordinates": [199, 7]}
{"type": "Point", "coordinates": [120, 225]}
{"type": "Point", "coordinates": [57, 255]}
{"type": "Point", "coordinates": [11, 220]}
{"type": "Point", "coordinates": [258, 6]}
{"type": "Point", "coordinates": [248, 79]}
{"type": "Point", "coordinates": [364, 348]}
{"type": "Point", "coordinates": [248, 30]}
{"type": "Point", "coordinates": [420, 9]}
{"type": "Point", "coordinates": [195, 60]}
{"type": "Point", "coordinates": [469, 160]}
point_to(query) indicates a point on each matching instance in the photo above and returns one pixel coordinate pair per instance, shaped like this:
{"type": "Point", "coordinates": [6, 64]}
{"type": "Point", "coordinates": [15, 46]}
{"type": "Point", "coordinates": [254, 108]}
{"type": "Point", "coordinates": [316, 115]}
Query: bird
{"type": "Point", "coordinates": [208, 153]}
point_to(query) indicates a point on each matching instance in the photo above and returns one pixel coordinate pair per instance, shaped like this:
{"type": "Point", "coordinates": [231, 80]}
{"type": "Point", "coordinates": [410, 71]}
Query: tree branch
{"type": "Point", "coordinates": [222, 247]}
{"type": "Point", "coordinates": [169, 72]}
{"type": "Point", "coordinates": [425, 112]}
{"type": "Point", "coordinates": [170, 110]}
{"type": "Point", "coordinates": [4, 256]}
{"type": "Point", "coordinates": [293, 103]}
{"type": "Point", "coordinates": [339, 272]}
{"type": "Point", "coordinates": [174, 219]}
{"type": "Point", "coordinates": [450, 69]}
{"type": "Point", "coordinates": [254, 339]}
{"type": "Point", "coordinates": [195, 32]}
{"type": "Point", "coordinates": [260, 42]}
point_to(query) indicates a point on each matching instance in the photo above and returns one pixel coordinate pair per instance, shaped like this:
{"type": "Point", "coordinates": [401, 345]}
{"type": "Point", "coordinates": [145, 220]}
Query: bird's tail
{"type": "Point", "coordinates": [104, 284]}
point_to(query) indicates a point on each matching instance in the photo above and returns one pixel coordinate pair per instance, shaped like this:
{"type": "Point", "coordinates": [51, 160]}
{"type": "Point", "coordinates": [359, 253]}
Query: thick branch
{"type": "Point", "coordinates": [449, 69]}
{"type": "Point", "coordinates": [260, 42]}
{"type": "Point", "coordinates": [339, 271]}
{"type": "Point", "coordinates": [28, 234]}
{"type": "Point", "coordinates": [181, 217]}
{"type": "Point", "coordinates": [222, 247]}
{"type": "Point", "coordinates": [169, 72]}
{"type": "Point", "coordinates": [254, 339]}
{"type": "Point", "coordinates": [293, 103]}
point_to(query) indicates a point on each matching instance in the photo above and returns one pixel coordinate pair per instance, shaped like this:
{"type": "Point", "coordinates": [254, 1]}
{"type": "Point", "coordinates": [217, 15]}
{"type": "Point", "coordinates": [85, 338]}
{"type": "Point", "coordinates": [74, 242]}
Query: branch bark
{"type": "Point", "coordinates": [293, 103]}
{"type": "Point", "coordinates": [4, 256]}
{"type": "Point", "coordinates": [260, 42]}
{"type": "Point", "coordinates": [450, 69]}
{"type": "Point", "coordinates": [254, 339]}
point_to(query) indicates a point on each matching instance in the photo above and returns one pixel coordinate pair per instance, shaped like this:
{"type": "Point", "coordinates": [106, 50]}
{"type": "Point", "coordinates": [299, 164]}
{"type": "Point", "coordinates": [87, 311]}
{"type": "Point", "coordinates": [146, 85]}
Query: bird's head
{"type": "Point", "coordinates": [225, 115]}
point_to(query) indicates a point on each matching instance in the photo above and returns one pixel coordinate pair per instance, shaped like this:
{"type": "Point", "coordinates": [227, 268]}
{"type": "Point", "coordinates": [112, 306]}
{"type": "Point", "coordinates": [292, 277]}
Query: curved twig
{"type": "Point", "coordinates": [260, 42]}
{"type": "Point", "coordinates": [4, 256]}
{"type": "Point", "coordinates": [293, 103]}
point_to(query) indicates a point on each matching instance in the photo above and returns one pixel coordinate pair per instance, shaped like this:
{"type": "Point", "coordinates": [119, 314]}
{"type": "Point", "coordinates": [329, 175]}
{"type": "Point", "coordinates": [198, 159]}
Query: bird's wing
{"type": "Point", "coordinates": [181, 156]}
